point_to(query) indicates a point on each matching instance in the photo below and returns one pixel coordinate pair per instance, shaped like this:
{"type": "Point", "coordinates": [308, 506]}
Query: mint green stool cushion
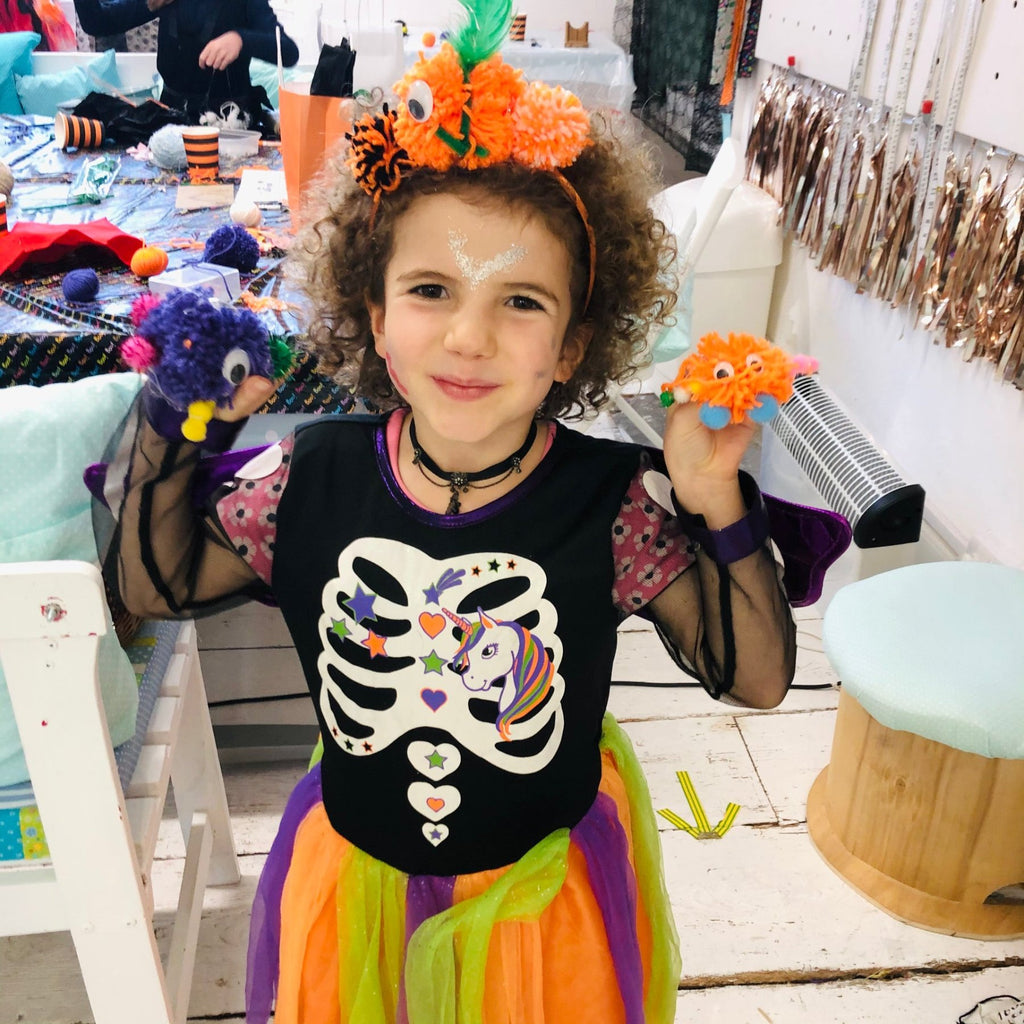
{"type": "Point", "coordinates": [936, 650]}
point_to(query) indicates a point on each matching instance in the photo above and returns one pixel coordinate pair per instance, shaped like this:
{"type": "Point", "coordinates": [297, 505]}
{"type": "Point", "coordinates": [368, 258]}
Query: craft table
{"type": "Point", "coordinates": [46, 339]}
{"type": "Point", "coordinates": [600, 74]}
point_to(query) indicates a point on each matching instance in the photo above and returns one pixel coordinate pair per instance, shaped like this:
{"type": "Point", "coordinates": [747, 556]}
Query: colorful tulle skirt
{"type": "Point", "coordinates": [578, 929]}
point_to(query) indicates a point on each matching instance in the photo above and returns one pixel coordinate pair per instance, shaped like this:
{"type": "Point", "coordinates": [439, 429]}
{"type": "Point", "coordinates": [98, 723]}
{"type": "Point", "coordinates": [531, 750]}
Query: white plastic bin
{"type": "Point", "coordinates": [732, 288]}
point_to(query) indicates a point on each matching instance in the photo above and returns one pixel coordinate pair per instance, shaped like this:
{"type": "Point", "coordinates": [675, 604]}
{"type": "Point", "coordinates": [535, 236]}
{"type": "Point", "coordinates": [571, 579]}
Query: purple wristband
{"type": "Point", "coordinates": [166, 420]}
{"type": "Point", "coordinates": [739, 539]}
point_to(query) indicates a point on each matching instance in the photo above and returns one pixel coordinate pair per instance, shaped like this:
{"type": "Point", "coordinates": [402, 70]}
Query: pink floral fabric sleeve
{"type": "Point", "coordinates": [248, 511]}
{"type": "Point", "coordinates": [648, 545]}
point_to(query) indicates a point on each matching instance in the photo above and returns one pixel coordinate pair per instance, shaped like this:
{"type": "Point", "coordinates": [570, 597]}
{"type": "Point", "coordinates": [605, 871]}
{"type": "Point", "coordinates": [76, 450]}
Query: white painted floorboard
{"type": "Point", "coordinates": [769, 935]}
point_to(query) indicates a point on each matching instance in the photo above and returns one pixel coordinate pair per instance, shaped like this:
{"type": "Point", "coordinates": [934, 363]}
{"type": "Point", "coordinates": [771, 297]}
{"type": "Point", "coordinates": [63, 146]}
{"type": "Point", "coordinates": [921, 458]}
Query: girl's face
{"type": "Point", "coordinates": [473, 323]}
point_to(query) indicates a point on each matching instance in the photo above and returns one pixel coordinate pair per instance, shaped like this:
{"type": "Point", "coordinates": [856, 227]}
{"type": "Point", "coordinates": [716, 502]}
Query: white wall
{"type": "Point", "coordinates": [955, 428]}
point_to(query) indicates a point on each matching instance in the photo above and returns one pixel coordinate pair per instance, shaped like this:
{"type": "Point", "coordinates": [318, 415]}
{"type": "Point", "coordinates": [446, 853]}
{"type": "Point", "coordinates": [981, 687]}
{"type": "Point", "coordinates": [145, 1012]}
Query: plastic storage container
{"type": "Point", "coordinates": [735, 271]}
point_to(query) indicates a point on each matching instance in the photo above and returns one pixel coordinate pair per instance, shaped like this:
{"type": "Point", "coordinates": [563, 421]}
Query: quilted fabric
{"type": "Point", "coordinates": [50, 434]}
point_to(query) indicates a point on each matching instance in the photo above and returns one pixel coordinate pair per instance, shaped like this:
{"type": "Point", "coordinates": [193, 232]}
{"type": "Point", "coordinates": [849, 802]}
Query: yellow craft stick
{"type": "Point", "coordinates": [674, 818]}
{"type": "Point", "coordinates": [703, 829]}
{"type": "Point", "coordinates": [703, 825]}
{"type": "Point", "coordinates": [731, 810]}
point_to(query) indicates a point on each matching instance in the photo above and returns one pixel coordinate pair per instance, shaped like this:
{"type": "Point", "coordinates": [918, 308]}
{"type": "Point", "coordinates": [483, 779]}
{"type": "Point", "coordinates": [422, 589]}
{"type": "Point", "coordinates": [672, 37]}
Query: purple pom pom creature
{"type": "Point", "coordinates": [196, 353]}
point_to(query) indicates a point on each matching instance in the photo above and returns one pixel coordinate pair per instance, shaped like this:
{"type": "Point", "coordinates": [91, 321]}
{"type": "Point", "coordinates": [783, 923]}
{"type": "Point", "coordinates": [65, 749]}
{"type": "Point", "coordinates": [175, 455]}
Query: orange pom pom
{"type": "Point", "coordinates": [733, 374]}
{"type": "Point", "coordinates": [436, 92]}
{"type": "Point", "coordinates": [494, 90]}
{"type": "Point", "coordinates": [149, 261]}
{"type": "Point", "coordinates": [551, 127]}
{"type": "Point", "coordinates": [429, 39]}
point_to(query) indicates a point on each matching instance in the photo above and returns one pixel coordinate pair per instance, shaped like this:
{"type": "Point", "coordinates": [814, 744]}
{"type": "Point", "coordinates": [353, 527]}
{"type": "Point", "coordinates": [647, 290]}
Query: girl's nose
{"type": "Point", "coordinates": [469, 336]}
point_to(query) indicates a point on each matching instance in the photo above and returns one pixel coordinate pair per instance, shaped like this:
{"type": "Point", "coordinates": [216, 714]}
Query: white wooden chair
{"type": "Point", "coordinates": [96, 883]}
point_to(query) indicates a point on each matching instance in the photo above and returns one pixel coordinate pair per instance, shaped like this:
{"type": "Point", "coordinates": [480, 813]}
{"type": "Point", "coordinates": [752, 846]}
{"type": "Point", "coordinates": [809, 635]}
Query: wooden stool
{"type": "Point", "coordinates": [921, 808]}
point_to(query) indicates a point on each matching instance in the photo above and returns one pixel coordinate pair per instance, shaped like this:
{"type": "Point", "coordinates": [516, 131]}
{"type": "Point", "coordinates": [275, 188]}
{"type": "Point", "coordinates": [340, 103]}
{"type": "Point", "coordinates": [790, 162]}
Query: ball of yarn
{"type": "Point", "coordinates": [6, 180]}
{"type": "Point", "coordinates": [246, 214]}
{"type": "Point", "coordinates": [429, 39]}
{"type": "Point", "coordinates": [80, 285]}
{"type": "Point", "coordinates": [167, 148]}
{"type": "Point", "coordinates": [148, 261]}
{"type": "Point", "coordinates": [232, 246]}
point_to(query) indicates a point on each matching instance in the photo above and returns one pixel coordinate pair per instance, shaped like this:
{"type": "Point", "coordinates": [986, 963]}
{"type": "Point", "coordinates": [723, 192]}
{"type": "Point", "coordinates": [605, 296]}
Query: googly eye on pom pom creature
{"type": "Point", "coordinates": [742, 377]}
{"type": "Point", "coordinates": [197, 352]}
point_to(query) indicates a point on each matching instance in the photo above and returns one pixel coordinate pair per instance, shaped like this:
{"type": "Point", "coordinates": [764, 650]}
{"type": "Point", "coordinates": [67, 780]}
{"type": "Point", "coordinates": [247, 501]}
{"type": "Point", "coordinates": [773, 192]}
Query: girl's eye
{"type": "Point", "coordinates": [723, 370]}
{"type": "Point", "coordinates": [420, 101]}
{"type": "Point", "coordinates": [429, 291]}
{"type": "Point", "coordinates": [236, 366]}
{"type": "Point", "coordinates": [754, 361]}
{"type": "Point", "coordinates": [525, 302]}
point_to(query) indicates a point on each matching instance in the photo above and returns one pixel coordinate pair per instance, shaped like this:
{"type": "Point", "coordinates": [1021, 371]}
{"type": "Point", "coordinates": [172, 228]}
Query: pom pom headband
{"type": "Point", "coordinates": [465, 107]}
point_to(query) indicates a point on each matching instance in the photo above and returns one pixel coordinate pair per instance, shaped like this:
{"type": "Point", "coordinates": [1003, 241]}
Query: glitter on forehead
{"type": "Point", "coordinates": [477, 271]}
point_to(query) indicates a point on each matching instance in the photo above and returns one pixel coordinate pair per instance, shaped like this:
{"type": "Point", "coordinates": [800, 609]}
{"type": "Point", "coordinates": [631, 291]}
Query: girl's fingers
{"type": "Point", "coordinates": [252, 394]}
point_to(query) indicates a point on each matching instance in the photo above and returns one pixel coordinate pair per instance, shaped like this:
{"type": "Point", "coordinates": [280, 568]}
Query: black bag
{"type": "Point", "coordinates": [126, 124]}
{"type": "Point", "coordinates": [333, 75]}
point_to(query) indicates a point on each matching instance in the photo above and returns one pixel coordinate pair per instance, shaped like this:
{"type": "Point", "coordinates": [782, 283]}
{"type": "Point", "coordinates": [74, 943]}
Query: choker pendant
{"type": "Point", "coordinates": [460, 483]}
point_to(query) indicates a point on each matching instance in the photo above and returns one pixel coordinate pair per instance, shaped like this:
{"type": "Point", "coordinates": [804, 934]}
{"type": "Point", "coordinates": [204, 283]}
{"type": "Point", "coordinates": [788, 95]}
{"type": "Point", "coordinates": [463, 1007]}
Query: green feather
{"type": "Point", "coordinates": [485, 29]}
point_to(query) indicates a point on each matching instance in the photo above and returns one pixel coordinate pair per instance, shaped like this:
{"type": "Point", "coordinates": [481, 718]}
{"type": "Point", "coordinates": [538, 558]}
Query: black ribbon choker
{"type": "Point", "coordinates": [461, 482]}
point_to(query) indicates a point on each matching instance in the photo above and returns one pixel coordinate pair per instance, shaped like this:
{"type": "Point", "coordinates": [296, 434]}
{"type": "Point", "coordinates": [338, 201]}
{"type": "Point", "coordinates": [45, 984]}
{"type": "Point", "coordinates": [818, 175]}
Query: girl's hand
{"type": "Point", "coordinates": [220, 52]}
{"type": "Point", "coordinates": [252, 394]}
{"type": "Point", "coordinates": [704, 464]}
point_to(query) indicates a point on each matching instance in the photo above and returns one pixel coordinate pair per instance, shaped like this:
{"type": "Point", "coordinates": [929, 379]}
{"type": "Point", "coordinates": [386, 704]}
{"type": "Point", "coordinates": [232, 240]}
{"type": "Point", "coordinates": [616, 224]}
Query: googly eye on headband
{"type": "Point", "coordinates": [465, 107]}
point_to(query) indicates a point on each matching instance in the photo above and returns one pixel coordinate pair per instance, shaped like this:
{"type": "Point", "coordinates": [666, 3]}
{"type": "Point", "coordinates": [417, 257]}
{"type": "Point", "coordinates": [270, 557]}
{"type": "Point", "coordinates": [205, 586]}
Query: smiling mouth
{"type": "Point", "coordinates": [464, 390]}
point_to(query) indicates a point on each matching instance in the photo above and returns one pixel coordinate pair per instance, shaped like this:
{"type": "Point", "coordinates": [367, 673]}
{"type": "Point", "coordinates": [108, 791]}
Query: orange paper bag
{"type": "Point", "coordinates": [311, 126]}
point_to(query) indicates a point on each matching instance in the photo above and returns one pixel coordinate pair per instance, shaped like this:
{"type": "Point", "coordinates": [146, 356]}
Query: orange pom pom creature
{"type": "Point", "coordinates": [742, 377]}
{"type": "Point", "coordinates": [465, 106]}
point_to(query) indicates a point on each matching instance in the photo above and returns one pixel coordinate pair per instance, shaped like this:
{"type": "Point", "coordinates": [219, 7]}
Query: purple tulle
{"type": "Point", "coordinates": [602, 840]}
{"type": "Point", "coordinates": [425, 896]}
{"type": "Point", "coordinates": [265, 925]}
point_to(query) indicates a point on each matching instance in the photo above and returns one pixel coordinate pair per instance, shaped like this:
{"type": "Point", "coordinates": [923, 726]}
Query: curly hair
{"type": "Point", "coordinates": [340, 262]}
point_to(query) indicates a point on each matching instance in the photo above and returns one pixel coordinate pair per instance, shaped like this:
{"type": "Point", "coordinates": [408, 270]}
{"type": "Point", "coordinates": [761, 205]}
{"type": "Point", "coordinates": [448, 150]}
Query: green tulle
{"type": "Point", "coordinates": [371, 905]}
{"type": "Point", "coordinates": [442, 990]}
{"type": "Point", "coordinates": [666, 964]}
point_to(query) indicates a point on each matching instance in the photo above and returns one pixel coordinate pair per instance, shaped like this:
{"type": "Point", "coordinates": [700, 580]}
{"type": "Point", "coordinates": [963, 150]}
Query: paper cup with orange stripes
{"type": "Point", "coordinates": [3, 214]}
{"type": "Point", "coordinates": [202, 151]}
{"type": "Point", "coordinates": [71, 132]}
{"type": "Point", "coordinates": [517, 32]}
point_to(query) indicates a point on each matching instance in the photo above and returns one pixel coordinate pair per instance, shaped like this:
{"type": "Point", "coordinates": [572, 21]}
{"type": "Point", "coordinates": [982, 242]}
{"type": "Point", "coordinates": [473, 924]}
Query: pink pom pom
{"type": "Point", "coordinates": [143, 306]}
{"type": "Point", "coordinates": [804, 364]}
{"type": "Point", "coordinates": [138, 353]}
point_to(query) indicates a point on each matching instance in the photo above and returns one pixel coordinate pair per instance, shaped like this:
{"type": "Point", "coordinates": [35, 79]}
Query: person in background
{"type": "Point", "coordinates": [203, 48]}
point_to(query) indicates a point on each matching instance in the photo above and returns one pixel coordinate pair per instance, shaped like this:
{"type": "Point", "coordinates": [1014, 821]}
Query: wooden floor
{"type": "Point", "coordinates": [768, 932]}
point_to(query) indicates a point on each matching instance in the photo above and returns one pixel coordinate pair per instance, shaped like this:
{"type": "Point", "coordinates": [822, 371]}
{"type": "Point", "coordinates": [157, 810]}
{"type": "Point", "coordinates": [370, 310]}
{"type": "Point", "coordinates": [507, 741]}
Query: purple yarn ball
{"type": "Point", "coordinates": [80, 285]}
{"type": "Point", "coordinates": [232, 246]}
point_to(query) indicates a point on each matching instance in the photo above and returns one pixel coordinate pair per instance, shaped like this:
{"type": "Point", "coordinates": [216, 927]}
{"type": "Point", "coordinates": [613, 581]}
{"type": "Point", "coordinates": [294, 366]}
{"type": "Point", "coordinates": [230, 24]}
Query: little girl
{"type": "Point", "coordinates": [477, 843]}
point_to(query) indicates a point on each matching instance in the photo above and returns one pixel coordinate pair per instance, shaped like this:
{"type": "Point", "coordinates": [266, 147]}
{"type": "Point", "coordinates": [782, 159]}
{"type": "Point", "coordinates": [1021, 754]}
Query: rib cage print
{"type": "Point", "coordinates": [466, 645]}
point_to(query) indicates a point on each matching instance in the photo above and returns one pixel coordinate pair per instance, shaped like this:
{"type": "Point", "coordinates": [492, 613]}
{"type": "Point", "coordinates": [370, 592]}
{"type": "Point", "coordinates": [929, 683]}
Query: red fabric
{"type": "Point", "coordinates": [31, 242]}
{"type": "Point", "coordinates": [14, 19]}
